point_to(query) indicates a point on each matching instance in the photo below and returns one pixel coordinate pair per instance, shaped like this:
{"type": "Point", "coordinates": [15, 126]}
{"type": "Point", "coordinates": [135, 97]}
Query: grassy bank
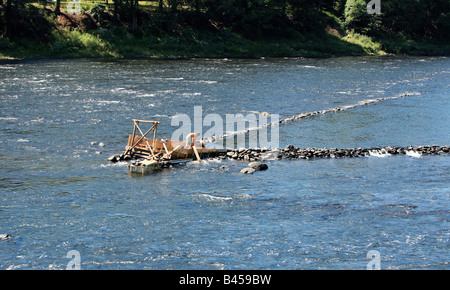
{"type": "Point", "coordinates": [94, 34]}
{"type": "Point", "coordinates": [188, 42]}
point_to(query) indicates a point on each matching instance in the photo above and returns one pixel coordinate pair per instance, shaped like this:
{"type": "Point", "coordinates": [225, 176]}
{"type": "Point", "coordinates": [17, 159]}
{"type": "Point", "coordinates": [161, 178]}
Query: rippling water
{"type": "Point", "coordinates": [58, 192]}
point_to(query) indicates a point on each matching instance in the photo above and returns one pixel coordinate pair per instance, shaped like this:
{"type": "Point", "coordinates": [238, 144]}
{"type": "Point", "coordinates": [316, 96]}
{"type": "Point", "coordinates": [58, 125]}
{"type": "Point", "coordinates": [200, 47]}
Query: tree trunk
{"type": "Point", "coordinates": [174, 5]}
{"type": "Point", "coordinates": [197, 6]}
{"type": "Point", "coordinates": [134, 4]}
{"type": "Point", "coordinates": [8, 18]}
{"type": "Point", "coordinates": [57, 7]}
{"type": "Point", "coordinates": [116, 8]}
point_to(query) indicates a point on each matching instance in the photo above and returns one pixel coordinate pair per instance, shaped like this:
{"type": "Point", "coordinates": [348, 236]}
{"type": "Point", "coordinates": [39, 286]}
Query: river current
{"type": "Point", "coordinates": [58, 192]}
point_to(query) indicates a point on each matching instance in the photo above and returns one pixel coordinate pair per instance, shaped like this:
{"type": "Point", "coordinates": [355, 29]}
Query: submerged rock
{"type": "Point", "coordinates": [223, 167]}
{"type": "Point", "coordinates": [289, 147]}
{"type": "Point", "coordinates": [248, 170]}
{"type": "Point", "coordinates": [258, 166]}
{"type": "Point", "coordinates": [114, 158]}
{"type": "Point", "coordinates": [4, 237]}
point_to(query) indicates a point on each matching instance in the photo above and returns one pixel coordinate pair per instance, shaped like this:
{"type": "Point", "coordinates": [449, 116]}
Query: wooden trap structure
{"type": "Point", "coordinates": [156, 153]}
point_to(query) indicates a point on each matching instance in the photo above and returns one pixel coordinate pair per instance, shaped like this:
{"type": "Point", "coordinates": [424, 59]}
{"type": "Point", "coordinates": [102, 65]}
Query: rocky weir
{"type": "Point", "coordinates": [254, 157]}
{"type": "Point", "coordinates": [298, 117]}
{"type": "Point", "coordinates": [292, 152]}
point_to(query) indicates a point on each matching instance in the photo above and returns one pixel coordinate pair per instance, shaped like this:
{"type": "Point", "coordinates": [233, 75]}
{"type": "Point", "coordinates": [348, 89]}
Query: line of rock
{"type": "Point", "coordinates": [292, 152]}
{"type": "Point", "coordinates": [309, 114]}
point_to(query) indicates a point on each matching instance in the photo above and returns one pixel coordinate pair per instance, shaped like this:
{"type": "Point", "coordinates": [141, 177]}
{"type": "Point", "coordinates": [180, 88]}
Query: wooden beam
{"type": "Point", "coordinates": [143, 136]}
{"type": "Point", "coordinates": [136, 126]}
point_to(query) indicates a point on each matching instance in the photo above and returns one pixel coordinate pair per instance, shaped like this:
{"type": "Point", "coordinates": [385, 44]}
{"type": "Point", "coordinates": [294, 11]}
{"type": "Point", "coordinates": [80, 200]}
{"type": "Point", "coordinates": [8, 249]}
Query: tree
{"type": "Point", "coordinates": [57, 7]}
{"type": "Point", "coordinates": [443, 25]}
{"type": "Point", "coordinates": [8, 18]}
{"type": "Point", "coordinates": [265, 18]}
{"type": "Point", "coordinates": [306, 14]}
{"type": "Point", "coordinates": [356, 16]}
{"type": "Point", "coordinates": [436, 18]}
{"type": "Point", "coordinates": [173, 5]}
{"type": "Point", "coordinates": [228, 12]}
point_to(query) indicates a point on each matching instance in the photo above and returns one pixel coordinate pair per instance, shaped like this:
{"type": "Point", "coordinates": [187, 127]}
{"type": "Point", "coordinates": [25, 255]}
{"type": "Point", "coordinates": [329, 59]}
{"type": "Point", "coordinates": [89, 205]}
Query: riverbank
{"type": "Point", "coordinates": [89, 45]}
{"type": "Point", "coordinates": [189, 43]}
{"type": "Point", "coordinates": [81, 36]}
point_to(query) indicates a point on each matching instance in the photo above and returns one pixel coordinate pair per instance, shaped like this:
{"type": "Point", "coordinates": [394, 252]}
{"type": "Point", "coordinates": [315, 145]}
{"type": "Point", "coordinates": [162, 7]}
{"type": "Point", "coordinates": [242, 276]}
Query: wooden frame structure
{"type": "Point", "coordinates": [153, 128]}
{"type": "Point", "coordinates": [156, 152]}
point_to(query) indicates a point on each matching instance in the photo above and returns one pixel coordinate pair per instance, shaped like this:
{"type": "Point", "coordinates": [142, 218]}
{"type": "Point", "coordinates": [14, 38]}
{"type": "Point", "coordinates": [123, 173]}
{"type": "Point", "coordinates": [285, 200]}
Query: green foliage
{"type": "Point", "coordinates": [356, 16]}
{"type": "Point", "coordinates": [98, 12]}
{"type": "Point", "coordinates": [443, 26]}
{"type": "Point", "coordinates": [227, 28]}
{"type": "Point", "coordinates": [72, 42]}
{"type": "Point", "coordinates": [366, 42]}
{"type": "Point", "coordinates": [4, 43]}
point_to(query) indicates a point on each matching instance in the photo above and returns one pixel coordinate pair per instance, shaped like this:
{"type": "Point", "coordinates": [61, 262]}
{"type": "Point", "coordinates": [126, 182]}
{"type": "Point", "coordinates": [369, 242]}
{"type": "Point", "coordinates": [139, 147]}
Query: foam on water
{"type": "Point", "coordinates": [8, 119]}
{"type": "Point", "coordinates": [413, 153]}
{"type": "Point", "coordinates": [272, 155]}
{"type": "Point", "coordinates": [379, 153]}
{"type": "Point", "coordinates": [214, 198]}
{"type": "Point", "coordinates": [107, 165]}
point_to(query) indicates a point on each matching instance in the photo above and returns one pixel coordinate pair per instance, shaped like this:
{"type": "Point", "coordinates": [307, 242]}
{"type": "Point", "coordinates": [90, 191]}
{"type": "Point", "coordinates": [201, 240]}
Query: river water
{"type": "Point", "coordinates": [58, 193]}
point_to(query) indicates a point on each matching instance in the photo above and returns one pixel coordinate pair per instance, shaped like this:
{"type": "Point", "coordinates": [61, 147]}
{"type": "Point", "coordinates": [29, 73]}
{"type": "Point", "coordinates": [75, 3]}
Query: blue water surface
{"type": "Point", "coordinates": [59, 193]}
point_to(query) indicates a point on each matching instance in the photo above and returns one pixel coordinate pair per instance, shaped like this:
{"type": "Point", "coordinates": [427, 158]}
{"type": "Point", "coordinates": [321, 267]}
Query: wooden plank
{"type": "Point", "coordinates": [196, 153]}
{"type": "Point", "coordinates": [145, 121]}
{"type": "Point", "coordinates": [143, 136]}
{"type": "Point", "coordinates": [136, 126]}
